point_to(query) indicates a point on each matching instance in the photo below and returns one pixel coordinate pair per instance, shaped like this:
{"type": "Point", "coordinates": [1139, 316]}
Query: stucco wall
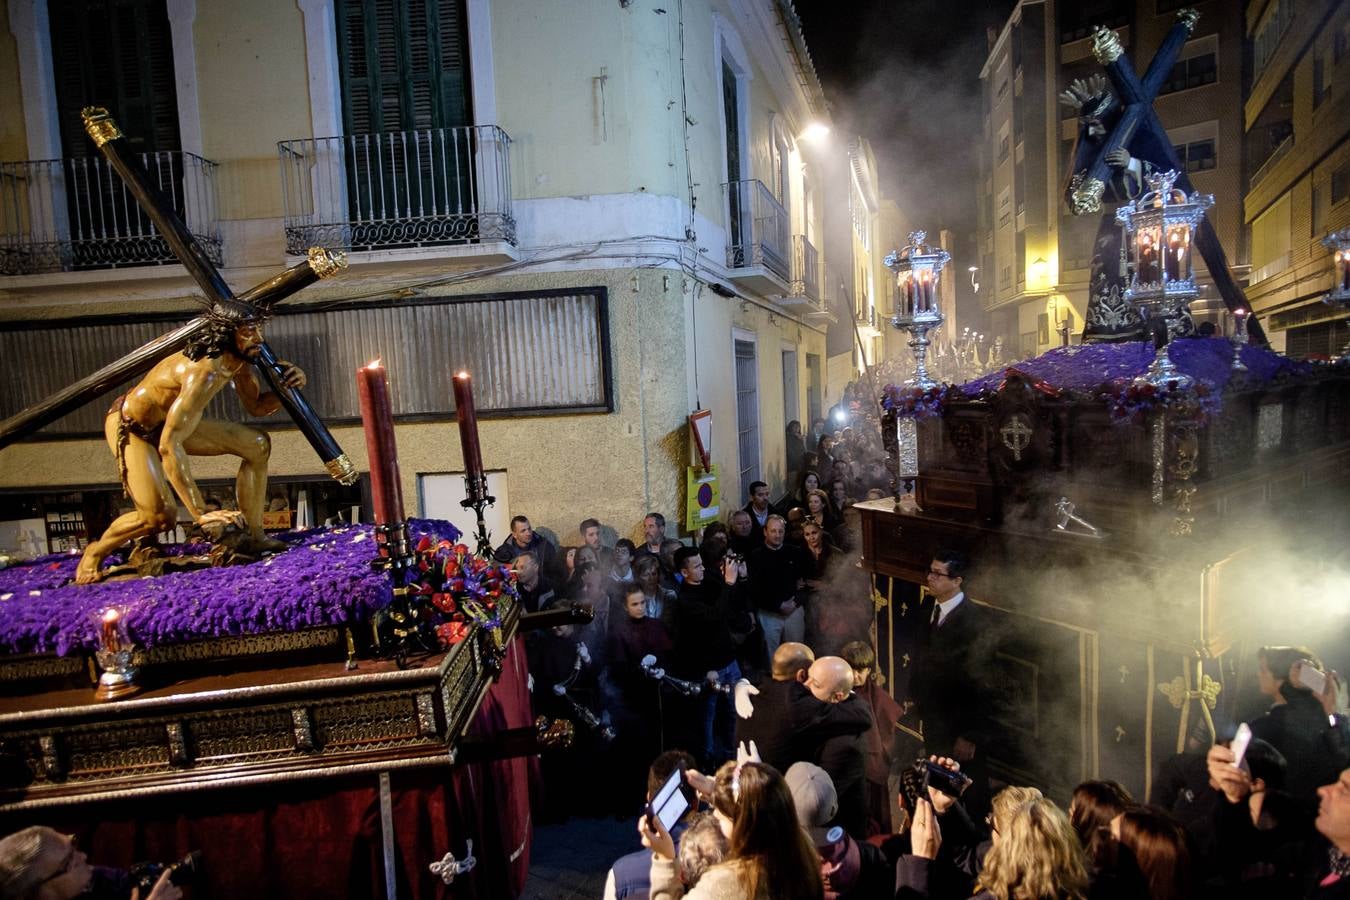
{"type": "Point", "coordinates": [13, 138]}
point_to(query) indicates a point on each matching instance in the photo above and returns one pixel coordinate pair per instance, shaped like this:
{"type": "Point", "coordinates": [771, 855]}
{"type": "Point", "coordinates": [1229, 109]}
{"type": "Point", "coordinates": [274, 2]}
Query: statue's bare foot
{"type": "Point", "coordinates": [268, 545]}
{"type": "Point", "coordinates": [87, 572]}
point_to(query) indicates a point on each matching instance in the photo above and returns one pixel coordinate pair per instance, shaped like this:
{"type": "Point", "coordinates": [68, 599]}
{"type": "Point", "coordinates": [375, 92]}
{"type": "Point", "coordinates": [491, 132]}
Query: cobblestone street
{"type": "Point", "coordinates": [569, 861]}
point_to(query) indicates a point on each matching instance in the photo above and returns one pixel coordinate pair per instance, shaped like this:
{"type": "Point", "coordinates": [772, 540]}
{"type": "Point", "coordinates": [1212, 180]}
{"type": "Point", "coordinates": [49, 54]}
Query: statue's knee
{"type": "Point", "coordinates": [260, 448]}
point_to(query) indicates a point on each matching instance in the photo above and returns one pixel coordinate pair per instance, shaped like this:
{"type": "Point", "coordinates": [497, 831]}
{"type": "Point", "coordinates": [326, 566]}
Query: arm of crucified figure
{"type": "Point", "coordinates": [255, 401]}
{"type": "Point", "coordinates": [199, 385]}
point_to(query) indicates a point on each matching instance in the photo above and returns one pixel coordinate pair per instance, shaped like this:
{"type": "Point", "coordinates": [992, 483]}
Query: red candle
{"type": "Point", "coordinates": [377, 415]}
{"type": "Point", "coordinates": [110, 619]}
{"type": "Point", "coordinates": [468, 426]}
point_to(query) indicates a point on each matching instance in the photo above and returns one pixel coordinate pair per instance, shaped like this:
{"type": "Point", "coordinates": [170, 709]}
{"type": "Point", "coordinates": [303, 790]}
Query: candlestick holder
{"type": "Point", "coordinates": [918, 268]}
{"type": "Point", "coordinates": [114, 657]}
{"type": "Point", "coordinates": [1239, 340]}
{"type": "Point", "coordinates": [395, 547]}
{"type": "Point", "coordinates": [402, 630]}
{"type": "Point", "coordinates": [477, 498]}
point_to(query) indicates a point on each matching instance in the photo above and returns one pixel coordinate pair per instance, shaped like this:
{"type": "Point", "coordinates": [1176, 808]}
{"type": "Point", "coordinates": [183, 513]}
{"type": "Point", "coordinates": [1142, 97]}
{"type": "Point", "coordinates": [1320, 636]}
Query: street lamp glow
{"type": "Point", "coordinates": [815, 132]}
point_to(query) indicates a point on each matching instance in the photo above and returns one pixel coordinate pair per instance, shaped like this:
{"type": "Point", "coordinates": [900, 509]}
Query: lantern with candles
{"type": "Point", "coordinates": [917, 268]}
{"type": "Point", "coordinates": [1160, 226]}
{"type": "Point", "coordinates": [114, 656]}
{"type": "Point", "coordinates": [1338, 242]}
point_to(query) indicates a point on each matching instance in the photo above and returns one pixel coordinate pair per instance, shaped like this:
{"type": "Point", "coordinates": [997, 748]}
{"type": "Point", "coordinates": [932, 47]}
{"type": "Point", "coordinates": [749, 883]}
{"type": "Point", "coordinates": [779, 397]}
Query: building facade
{"type": "Point", "coordinates": [606, 211]}
{"type": "Point", "coordinates": [1297, 132]}
{"type": "Point", "coordinates": [1035, 255]}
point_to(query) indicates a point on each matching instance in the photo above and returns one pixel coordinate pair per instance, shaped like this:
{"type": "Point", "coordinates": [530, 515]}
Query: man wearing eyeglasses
{"type": "Point", "coordinates": [43, 864]}
{"type": "Point", "coordinates": [954, 642]}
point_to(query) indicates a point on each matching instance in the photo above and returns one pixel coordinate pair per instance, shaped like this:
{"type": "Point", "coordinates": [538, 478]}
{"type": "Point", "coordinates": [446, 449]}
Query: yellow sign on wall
{"type": "Point", "coordinates": [702, 497]}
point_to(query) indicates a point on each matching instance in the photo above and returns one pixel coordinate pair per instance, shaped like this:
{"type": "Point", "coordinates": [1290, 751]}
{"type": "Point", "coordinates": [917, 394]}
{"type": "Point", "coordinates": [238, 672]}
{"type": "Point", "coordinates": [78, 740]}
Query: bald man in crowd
{"type": "Point", "coordinates": [819, 707]}
{"type": "Point", "coordinates": [841, 752]}
{"type": "Point", "coordinates": [768, 721]}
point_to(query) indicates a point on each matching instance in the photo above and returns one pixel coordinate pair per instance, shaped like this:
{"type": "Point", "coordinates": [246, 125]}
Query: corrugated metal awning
{"type": "Point", "coordinates": [538, 352]}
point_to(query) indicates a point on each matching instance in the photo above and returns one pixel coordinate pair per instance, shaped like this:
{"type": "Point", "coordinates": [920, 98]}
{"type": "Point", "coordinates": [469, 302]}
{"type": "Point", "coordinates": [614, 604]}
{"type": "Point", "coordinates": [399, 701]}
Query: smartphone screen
{"type": "Point", "coordinates": [670, 802]}
{"type": "Point", "coordinates": [1312, 678]}
{"type": "Point", "coordinates": [1240, 742]}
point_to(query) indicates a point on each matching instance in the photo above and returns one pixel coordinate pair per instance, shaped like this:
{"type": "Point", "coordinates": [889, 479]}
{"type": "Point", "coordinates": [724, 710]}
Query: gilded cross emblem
{"type": "Point", "coordinates": [1016, 434]}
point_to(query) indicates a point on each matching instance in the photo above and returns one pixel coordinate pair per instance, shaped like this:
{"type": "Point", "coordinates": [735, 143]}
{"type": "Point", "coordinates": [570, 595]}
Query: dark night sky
{"type": "Point", "coordinates": [906, 75]}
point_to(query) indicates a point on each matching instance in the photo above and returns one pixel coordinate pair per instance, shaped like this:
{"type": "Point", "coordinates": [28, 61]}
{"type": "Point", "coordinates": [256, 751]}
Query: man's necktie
{"type": "Point", "coordinates": [937, 615]}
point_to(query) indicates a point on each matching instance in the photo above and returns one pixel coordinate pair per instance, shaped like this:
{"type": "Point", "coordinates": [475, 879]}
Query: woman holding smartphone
{"type": "Point", "coordinates": [769, 856]}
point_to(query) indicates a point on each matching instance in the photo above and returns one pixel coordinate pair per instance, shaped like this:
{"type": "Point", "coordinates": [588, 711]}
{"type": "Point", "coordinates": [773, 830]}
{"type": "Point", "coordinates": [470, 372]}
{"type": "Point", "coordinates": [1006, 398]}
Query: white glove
{"type": "Point", "coordinates": [647, 661]}
{"type": "Point", "coordinates": [529, 682]}
{"type": "Point", "coordinates": [747, 754]}
{"type": "Point", "coordinates": [744, 690]}
{"type": "Point", "coordinates": [559, 689]}
{"type": "Point", "coordinates": [584, 653]}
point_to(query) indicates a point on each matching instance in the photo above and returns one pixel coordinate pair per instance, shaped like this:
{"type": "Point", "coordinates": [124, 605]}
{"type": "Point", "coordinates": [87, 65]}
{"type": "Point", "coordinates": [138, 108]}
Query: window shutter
{"type": "Point", "coordinates": [118, 54]}
{"type": "Point", "coordinates": [404, 64]}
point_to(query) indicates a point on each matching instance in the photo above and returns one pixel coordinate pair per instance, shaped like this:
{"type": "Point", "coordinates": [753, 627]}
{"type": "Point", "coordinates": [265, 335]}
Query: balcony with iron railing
{"type": "Point", "coordinates": [70, 215]}
{"type": "Point", "coordinates": [399, 190]}
{"type": "Point", "coordinates": [804, 285]}
{"type": "Point", "coordinates": [758, 244]}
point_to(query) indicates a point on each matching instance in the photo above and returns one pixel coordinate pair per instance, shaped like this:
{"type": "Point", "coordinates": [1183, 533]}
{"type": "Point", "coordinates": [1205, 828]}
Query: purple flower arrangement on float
{"type": "Point", "coordinates": [908, 401]}
{"type": "Point", "coordinates": [1131, 402]}
{"type": "Point", "coordinates": [461, 588]}
{"type": "Point", "coordinates": [1107, 372]}
{"type": "Point", "coordinates": [326, 578]}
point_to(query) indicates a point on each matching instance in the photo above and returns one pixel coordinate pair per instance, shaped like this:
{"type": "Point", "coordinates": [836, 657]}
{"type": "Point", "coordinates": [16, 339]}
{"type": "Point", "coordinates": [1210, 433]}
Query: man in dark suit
{"type": "Point", "coordinates": [767, 720]}
{"type": "Point", "coordinates": [949, 681]}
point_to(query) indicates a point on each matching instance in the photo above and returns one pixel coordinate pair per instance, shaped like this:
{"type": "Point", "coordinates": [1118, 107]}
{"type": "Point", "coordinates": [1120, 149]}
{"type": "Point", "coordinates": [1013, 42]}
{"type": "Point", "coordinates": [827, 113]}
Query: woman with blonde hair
{"type": "Point", "coordinates": [1035, 857]}
{"type": "Point", "coordinates": [768, 855]}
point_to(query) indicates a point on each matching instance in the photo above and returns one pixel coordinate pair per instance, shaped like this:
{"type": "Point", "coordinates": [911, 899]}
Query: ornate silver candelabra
{"type": "Point", "coordinates": [1160, 225]}
{"type": "Point", "coordinates": [917, 268]}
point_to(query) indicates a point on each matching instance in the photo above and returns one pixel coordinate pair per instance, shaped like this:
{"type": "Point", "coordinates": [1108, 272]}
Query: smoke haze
{"type": "Point", "coordinates": [906, 75]}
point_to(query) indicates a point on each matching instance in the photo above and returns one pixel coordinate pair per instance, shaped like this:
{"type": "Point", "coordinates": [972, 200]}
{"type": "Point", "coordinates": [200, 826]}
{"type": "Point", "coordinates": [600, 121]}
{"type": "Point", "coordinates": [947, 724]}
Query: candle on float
{"type": "Point", "coordinates": [377, 417]}
{"type": "Point", "coordinates": [110, 619]}
{"type": "Point", "coordinates": [468, 426]}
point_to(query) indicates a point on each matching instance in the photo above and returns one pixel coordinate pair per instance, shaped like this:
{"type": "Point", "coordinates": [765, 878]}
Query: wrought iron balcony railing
{"type": "Point", "coordinates": [758, 228]}
{"type": "Point", "coordinates": [397, 190]}
{"type": "Point", "coordinates": [805, 269]}
{"type": "Point", "coordinates": [63, 215]}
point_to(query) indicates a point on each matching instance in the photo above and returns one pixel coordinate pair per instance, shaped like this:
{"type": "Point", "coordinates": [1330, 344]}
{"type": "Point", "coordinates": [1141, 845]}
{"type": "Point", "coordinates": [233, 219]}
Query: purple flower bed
{"type": "Point", "coordinates": [912, 402]}
{"type": "Point", "coordinates": [1091, 368]}
{"type": "Point", "coordinates": [324, 579]}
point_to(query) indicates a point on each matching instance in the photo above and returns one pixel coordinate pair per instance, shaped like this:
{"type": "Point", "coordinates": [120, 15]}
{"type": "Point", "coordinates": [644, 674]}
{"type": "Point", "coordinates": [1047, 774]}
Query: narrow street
{"type": "Point", "coordinates": [569, 861]}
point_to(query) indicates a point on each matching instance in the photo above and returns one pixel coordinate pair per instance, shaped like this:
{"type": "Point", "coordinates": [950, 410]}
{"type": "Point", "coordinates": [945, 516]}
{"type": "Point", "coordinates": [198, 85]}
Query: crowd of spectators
{"type": "Point", "coordinates": [786, 830]}
{"type": "Point", "coordinates": [672, 627]}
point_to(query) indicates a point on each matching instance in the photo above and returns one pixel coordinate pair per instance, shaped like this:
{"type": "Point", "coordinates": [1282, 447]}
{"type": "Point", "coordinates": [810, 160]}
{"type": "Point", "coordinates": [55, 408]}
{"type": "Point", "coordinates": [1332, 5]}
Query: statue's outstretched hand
{"type": "Point", "coordinates": [215, 523]}
{"type": "Point", "coordinates": [292, 375]}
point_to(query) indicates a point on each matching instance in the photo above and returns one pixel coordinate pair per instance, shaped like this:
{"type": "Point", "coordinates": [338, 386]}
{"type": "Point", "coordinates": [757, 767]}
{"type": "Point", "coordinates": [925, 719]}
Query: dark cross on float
{"type": "Point", "coordinates": [259, 301]}
{"type": "Point", "coordinates": [1139, 129]}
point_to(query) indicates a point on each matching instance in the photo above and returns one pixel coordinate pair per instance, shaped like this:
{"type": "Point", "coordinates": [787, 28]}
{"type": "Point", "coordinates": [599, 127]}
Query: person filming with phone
{"type": "Point", "coordinates": [40, 863]}
{"type": "Point", "coordinates": [1303, 722]}
{"type": "Point", "coordinates": [769, 856]}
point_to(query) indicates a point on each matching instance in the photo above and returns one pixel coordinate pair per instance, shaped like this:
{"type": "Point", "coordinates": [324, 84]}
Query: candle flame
{"type": "Point", "coordinates": [375, 363]}
{"type": "Point", "coordinates": [111, 615]}
{"type": "Point", "coordinates": [462, 374]}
